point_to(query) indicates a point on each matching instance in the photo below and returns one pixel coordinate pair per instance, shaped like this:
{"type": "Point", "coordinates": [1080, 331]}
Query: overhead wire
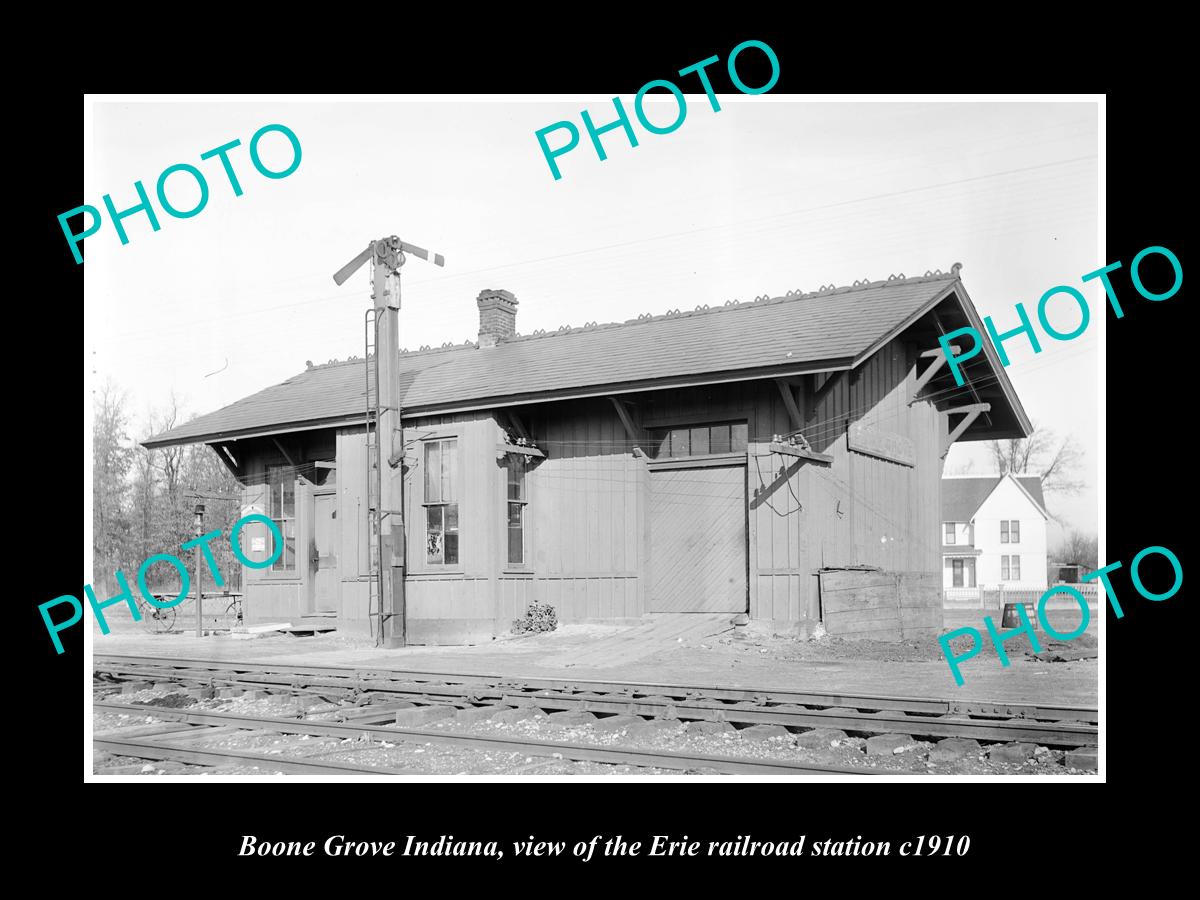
{"type": "Point", "coordinates": [751, 228]}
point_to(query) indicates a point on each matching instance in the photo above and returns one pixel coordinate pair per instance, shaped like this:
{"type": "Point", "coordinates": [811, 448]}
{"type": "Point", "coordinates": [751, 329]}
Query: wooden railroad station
{"type": "Point", "coordinates": [779, 459]}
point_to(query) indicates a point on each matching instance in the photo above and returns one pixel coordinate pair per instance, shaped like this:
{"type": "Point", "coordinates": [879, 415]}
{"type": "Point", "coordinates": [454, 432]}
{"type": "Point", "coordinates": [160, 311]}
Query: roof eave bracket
{"type": "Point", "coordinates": [970, 413]}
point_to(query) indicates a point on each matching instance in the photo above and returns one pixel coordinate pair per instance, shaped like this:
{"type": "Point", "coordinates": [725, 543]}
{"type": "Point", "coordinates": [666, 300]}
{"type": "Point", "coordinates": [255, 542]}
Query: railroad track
{"type": "Point", "coordinates": [163, 746]}
{"type": "Point", "coordinates": [370, 699]}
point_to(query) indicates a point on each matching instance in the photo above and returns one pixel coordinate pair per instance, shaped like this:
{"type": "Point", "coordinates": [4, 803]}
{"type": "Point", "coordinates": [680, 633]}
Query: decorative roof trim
{"type": "Point", "coordinates": [700, 310]}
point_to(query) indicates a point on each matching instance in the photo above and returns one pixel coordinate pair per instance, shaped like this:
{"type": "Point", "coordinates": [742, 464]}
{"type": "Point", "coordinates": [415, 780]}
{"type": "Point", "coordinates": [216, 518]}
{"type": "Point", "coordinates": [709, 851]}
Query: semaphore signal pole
{"type": "Point", "coordinates": [387, 255]}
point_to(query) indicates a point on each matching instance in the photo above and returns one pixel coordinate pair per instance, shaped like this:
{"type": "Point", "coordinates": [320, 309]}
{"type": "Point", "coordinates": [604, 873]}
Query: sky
{"type": "Point", "coordinates": [770, 194]}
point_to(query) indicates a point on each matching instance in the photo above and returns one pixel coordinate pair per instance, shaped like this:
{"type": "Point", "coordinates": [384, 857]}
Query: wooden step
{"type": "Point", "coordinates": [314, 624]}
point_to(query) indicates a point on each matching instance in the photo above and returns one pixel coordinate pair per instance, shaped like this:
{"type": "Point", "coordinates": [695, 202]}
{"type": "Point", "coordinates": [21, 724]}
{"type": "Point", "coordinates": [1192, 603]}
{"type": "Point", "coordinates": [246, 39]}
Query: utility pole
{"type": "Point", "coordinates": [199, 572]}
{"type": "Point", "coordinates": [387, 255]}
{"type": "Point", "coordinates": [198, 522]}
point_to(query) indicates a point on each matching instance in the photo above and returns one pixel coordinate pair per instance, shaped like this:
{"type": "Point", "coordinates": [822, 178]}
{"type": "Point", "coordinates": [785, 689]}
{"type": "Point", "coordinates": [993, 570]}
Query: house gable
{"type": "Point", "coordinates": [1005, 493]}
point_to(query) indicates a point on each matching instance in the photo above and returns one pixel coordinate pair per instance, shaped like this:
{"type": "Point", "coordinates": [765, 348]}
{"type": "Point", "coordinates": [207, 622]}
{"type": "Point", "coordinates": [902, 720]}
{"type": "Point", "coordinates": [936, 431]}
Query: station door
{"type": "Point", "coordinates": [698, 540]}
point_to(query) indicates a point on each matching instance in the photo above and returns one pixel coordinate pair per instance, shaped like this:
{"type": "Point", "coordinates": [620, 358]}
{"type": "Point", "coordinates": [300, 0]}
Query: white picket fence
{"type": "Point", "coordinates": [994, 597]}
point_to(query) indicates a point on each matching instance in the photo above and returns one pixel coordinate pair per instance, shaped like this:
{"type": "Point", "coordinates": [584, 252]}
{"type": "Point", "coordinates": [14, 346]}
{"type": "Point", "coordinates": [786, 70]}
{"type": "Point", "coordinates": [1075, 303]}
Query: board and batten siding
{"type": "Point", "coordinates": [790, 514]}
{"type": "Point", "coordinates": [587, 518]}
{"type": "Point", "coordinates": [867, 510]}
{"type": "Point", "coordinates": [588, 542]}
{"type": "Point", "coordinates": [860, 510]}
{"type": "Point", "coordinates": [444, 603]}
{"type": "Point", "coordinates": [272, 596]}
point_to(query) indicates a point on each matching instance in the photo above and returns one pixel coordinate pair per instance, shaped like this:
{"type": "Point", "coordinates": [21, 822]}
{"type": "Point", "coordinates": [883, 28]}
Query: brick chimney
{"type": "Point", "coordinates": [497, 317]}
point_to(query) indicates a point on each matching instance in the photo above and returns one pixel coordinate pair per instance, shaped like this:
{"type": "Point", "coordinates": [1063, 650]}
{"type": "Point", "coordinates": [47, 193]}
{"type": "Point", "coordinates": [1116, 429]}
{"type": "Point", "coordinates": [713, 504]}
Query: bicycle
{"type": "Point", "coordinates": [234, 611]}
{"type": "Point", "coordinates": [154, 619]}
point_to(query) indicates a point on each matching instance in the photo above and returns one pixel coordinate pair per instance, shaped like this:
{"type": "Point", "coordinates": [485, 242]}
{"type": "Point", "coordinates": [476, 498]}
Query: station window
{"type": "Point", "coordinates": [698, 440]}
{"type": "Point", "coordinates": [281, 486]}
{"type": "Point", "coordinates": [517, 502]}
{"type": "Point", "coordinates": [441, 502]}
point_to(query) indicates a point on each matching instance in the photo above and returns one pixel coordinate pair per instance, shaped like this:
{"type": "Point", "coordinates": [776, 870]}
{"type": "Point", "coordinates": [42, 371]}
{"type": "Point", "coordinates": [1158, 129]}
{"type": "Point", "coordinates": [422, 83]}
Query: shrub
{"type": "Point", "coordinates": [539, 617]}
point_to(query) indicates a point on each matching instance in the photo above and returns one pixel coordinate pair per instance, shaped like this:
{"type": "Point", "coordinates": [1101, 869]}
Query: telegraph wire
{"type": "Point", "coordinates": [746, 223]}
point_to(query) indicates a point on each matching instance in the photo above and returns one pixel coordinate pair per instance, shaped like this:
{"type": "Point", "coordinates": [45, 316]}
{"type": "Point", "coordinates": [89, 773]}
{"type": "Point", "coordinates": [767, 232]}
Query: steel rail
{"type": "Point", "coordinates": [367, 676]}
{"type": "Point", "coordinates": [161, 750]}
{"type": "Point", "coordinates": [662, 759]}
{"type": "Point", "coordinates": [1055, 734]}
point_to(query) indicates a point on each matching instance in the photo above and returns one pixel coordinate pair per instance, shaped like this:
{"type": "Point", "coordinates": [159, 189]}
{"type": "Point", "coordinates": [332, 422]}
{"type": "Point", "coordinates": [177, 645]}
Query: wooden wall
{"type": "Point", "coordinates": [445, 603]}
{"type": "Point", "coordinates": [587, 512]}
{"type": "Point", "coordinates": [803, 515]}
{"type": "Point", "coordinates": [587, 519]}
{"type": "Point", "coordinates": [861, 510]}
{"type": "Point", "coordinates": [272, 596]}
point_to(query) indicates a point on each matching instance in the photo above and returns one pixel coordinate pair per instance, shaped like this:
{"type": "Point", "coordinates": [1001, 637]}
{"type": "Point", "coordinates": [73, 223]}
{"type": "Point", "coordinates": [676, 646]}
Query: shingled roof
{"type": "Point", "coordinates": [962, 496]}
{"type": "Point", "coordinates": [826, 330]}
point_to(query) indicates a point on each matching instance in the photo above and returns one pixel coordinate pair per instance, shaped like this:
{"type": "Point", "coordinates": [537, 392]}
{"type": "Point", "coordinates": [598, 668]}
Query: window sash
{"type": "Point", "coordinates": [433, 468]}
{"type": "Point", "coordinates": [441, 471]}
{"type": "Point", "coordinates": [516, 533]}
{"type": "Point", "coordinates": [950, 538]}
{"type": "Point", "coordinates": [699, 440]}
{"type": "Point", "coordinates": [516, 469]}
{"type": "Point", "coordinates": [450, 470]}
{"type": "Point", "coordinates": [1004, 531]}
{"type": "Point", "coordinates": [1004, 568]}
{"type": "Point", "coordinates": [442, 546]}
{"type": "Point", "coordinates": [287, 559]}
{"type": "Point", "coordinates": [738, 437]}
{"type": "Point", "coordinates": [1014, 568]}
{"type": "Point", "coordinates": [681, 442]}
{"type": "Point", "coordinates": [281, 509]}
{"type": "Point", "coordinates": [441, 534]}
{"type": "Point", "coordinates": [719, 439]}
{"type": "Point", "coordinates": [1014, 530]}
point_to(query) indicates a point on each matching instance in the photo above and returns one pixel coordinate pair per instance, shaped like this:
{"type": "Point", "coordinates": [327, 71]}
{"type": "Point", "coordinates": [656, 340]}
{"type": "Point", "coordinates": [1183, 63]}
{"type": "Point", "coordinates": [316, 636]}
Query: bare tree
{"type": "Point", "coordinates": [111, 460]}
{"type": "Point", "coordinates": [1078, 549]}
{"type": "Point", "coordinates": [172, 516]}
{"type": "Point", "coordinates": [169, 459]}
{"type": "Point", "coordinates": [1043, 454]}
{"type": "Point", "coordinates": [145, 497]}
{"type": "Point", "coordinates": [143, 502]}
{"type": "Point", "coordinates": [1058, 474]}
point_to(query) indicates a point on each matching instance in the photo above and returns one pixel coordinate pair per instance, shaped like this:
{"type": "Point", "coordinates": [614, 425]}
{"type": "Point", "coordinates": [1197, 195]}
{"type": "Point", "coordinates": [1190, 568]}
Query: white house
{"type": "Point", "coordinates": [993, 532]}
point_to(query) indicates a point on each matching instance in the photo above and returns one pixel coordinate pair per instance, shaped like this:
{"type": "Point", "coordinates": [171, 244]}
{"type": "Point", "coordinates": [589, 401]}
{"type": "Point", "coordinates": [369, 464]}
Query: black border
{"type": "Point", "coordinates": [1013, 825]}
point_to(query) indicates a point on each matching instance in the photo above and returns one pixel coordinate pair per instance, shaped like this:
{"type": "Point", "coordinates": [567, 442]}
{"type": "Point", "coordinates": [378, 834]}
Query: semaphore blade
{"type": "Point", "coordinates": [340, 276]}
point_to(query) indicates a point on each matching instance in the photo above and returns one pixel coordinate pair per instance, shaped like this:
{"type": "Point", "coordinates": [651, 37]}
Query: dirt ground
{"type": "Point", "coordinates": [748, 657]}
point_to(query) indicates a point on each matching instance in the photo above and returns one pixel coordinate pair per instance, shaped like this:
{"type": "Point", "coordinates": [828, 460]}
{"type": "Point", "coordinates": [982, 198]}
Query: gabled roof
{"type": "Point", "coordinates": [963, 496]}
{"type": "Point", "coordinates": [1032, 485]}
{"type": "Point", "coordinates": [826, 330]}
